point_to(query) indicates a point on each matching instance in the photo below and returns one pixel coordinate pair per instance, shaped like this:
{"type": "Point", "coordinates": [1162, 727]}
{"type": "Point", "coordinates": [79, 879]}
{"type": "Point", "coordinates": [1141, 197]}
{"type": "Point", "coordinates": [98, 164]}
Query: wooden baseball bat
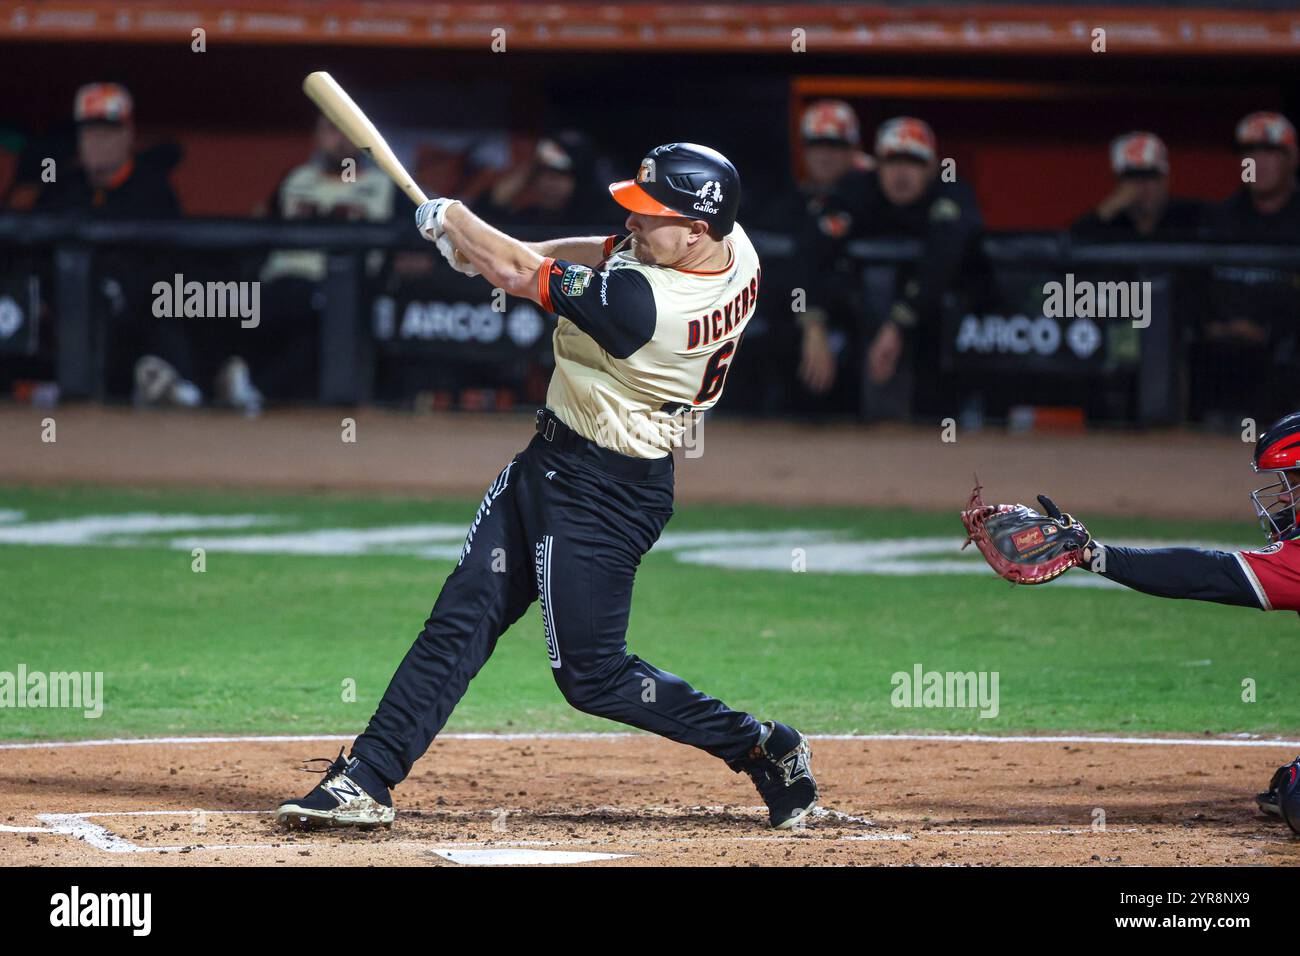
{"type": "Point", "coordinates": [335, 103]}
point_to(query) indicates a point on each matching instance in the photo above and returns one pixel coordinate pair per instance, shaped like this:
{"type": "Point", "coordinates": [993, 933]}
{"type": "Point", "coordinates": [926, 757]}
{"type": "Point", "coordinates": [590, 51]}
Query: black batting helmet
{"type": "Point", "coordinates": [683, 179]}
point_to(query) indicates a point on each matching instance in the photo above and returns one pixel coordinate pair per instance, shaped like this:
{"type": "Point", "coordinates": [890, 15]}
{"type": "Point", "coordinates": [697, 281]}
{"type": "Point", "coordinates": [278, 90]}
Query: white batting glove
{"type": "Point", "coordinates": [431, 215]}
{"type": "Point", "coordinates": [458, 262]}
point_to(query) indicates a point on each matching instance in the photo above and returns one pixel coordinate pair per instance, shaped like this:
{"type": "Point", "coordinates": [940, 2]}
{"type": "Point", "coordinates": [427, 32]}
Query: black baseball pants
{"type": "Point", "coordinates": [565, 524]}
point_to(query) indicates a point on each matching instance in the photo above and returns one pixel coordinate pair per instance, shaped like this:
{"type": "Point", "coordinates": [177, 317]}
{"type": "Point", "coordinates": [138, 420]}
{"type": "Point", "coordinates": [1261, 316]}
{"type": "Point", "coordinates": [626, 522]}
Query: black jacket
{"type": "Point", "coordinates": [1182, 219]}
{"type": "Point", "coordinates": [1237, 218]}
{"type": "Point", "coordinates": [946, 218]}
{"type": "Point", "coordinates": [146, 193]}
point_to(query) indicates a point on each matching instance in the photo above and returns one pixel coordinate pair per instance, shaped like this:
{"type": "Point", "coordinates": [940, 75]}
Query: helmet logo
{"type": "Point", "coordinates": [703, 192]}
{"type": "Point", "coordinates": [709, 193]}
{"type": "Point", "coordinates": [646, 174]}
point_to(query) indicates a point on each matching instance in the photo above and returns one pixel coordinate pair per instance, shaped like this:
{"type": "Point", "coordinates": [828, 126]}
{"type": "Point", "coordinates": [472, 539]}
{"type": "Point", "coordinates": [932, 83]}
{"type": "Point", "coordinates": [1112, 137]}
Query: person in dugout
{"type": "Point", "coordinates": [832, 153]}
{"type": "Point", "coordinates": [909, 195]}
{"type": "Point", "coordinates": [112, 178]}
{"type": "Point", "coordinates": [1139, 207]}
{"type": "Point", "coordinates": [1247, 352]}
{"type": "Point", "coordinates": [829, 148]}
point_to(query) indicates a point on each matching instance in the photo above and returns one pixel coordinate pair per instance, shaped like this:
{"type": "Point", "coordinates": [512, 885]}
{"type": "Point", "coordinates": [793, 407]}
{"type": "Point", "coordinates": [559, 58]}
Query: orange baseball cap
{"type": "Point", "coordinates": [102, 103]}
{"type": "Point", "coordinates": [905, 136]}
{"type": "Point", "coordinates": [1266, 129]}
{"type": "Point", "coordinates": [830, 121]}
{"type": "Point", "coordinates": [1138, 152]}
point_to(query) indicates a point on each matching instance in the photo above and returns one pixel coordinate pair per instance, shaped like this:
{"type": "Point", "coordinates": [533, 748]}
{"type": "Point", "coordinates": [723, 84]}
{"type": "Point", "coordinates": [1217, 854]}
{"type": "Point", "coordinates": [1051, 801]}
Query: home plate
{"type": "Point", "coordinates": [511, 856]}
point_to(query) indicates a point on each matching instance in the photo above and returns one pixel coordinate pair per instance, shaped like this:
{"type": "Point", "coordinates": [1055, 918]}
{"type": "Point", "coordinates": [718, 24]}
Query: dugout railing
{"type": "Point", "coordinates": [68, 248]}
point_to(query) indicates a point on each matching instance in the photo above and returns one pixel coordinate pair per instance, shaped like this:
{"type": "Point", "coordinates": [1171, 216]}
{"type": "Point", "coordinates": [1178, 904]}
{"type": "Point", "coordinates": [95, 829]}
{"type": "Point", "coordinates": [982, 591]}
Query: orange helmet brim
{"type": "Point", "coordinates": [631, 196]}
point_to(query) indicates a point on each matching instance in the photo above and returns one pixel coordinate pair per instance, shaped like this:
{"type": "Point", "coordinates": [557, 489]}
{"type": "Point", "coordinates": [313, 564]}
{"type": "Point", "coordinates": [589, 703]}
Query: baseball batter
{"type": "Point", "coordinates": [648, 328]}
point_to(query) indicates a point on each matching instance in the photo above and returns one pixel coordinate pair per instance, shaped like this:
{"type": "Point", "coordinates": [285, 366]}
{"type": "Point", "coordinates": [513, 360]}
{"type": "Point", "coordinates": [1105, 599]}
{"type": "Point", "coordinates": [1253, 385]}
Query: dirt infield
{"type": "Point", "coordinates": [635, 800]}
{"type": "Point", "coordinates": [638, 800]}
{"type": "Point", "coordinates": [779, 463]}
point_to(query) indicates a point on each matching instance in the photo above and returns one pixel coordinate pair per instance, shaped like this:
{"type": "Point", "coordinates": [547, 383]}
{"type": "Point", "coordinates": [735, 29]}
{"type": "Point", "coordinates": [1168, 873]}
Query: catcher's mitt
{"type": "Point", "coordinates": [1020, 544]}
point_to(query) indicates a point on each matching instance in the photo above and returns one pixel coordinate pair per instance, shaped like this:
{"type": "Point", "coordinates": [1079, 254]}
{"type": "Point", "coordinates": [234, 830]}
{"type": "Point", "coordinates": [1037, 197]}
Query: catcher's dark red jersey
{"type": "Point", "coordinates": [1274, 573]}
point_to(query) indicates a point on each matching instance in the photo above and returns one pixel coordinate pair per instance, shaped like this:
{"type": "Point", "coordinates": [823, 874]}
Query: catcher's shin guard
{"type": "Point", "coordinates": [1282, 798]}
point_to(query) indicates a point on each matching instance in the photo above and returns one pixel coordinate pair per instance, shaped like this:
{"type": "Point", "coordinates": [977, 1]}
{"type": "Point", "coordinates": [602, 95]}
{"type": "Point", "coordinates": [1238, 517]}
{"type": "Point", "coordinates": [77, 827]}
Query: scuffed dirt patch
{"type": "Point", "coordinates": [656, 803]}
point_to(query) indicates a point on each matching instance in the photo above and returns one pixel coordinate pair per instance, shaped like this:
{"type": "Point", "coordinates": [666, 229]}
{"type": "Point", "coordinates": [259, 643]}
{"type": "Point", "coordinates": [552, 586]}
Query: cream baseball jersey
{"type": "Point", "coordinates": [639, 348]}
{"type": "Point", "coordinates": [308, 192]}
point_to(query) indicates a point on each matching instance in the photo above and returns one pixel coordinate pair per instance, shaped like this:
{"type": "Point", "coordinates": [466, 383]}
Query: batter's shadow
{"type": "Point", "coordinates": [679, 818]}
{"type": "Point", "coordinates": [1229, 810]}
{"type": "Point", "coordinates": [196, 795]}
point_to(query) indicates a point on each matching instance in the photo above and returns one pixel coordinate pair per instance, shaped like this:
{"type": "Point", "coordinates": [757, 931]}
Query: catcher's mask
{"type": "Point", "coordinates": [1278, 453]}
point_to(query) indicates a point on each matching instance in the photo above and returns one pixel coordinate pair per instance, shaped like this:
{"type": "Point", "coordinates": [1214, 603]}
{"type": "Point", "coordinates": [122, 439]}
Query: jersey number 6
{"type": "Point", "coordinates": [715, 374]}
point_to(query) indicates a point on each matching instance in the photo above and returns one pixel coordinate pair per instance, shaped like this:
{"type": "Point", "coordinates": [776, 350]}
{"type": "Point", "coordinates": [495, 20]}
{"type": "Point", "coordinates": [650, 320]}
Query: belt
{"type": "Point", "coordinates": [556, 434]}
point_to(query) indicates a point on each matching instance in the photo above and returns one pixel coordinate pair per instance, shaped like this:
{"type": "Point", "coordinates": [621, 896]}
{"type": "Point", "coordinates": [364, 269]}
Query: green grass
{"type": "Point", "coordinates": [263, 644]}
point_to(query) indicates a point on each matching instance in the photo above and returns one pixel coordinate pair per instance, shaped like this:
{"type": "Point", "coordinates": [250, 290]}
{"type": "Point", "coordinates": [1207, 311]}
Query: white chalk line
{"type": "Point", "coordinates": [78, 826]}
{"type": "Point", "coordinates": [1237, 741]}
{"type": "Point", "coordinates": [99, 836]}
{"type": "Point", "coordinates": [160, 741]}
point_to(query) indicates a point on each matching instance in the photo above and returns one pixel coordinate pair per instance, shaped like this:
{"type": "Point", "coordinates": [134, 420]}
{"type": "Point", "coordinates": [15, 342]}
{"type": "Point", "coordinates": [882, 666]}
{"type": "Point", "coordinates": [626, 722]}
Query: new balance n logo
{"type": "Point", "coordinates": [342, 789]}
{"type": "Point", "coordinates": [794, 765]}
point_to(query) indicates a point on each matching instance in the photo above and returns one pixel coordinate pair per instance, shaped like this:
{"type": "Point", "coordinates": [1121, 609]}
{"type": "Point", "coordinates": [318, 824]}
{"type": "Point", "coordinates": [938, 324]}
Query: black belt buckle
{"type": "Point", "coordinates": [545, 425]}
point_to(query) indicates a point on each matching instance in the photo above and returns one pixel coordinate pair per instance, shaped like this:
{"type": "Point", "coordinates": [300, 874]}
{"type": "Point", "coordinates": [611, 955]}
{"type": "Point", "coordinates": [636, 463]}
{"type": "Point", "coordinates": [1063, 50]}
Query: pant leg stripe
{"type": "Point", "coordinates": [552, 639]}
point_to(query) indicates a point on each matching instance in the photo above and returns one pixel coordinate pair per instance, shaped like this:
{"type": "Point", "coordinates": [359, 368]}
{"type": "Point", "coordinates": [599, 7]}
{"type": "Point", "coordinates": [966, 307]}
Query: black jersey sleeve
{"type": "Point", "coordinates": [616, 307]}
{"type": "Point", "coordinates": [1180, 573]}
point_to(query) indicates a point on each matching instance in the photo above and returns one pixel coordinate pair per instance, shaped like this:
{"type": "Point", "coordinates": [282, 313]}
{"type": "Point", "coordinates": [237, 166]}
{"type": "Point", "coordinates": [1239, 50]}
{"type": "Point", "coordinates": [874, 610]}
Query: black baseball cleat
{"type": "Point", "coordinates": [350, 795]}
{"type": "Point", "coordinates": [780, 765]}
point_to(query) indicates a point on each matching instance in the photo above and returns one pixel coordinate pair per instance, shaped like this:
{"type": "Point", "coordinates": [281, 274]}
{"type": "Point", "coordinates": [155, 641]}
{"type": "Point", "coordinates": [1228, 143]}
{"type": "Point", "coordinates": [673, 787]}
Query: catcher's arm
{"type": "Point", "coordinates": [1020, 545]}
{"type": "Point", "coordinates": [1194, 573]}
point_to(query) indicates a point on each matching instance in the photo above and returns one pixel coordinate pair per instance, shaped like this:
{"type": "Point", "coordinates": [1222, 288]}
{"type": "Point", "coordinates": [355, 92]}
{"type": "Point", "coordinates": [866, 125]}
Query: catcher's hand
{"type": "Point", "coordinates": [1022, 545]}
